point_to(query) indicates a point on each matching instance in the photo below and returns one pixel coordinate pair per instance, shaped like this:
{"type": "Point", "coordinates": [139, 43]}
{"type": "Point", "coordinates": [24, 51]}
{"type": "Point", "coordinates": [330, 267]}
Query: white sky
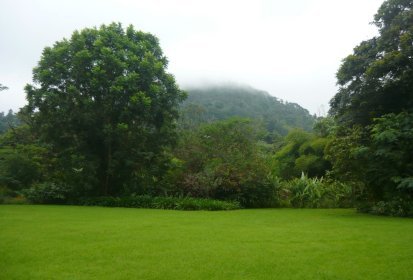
{"type": "Point", "coordinates": [292, 49]}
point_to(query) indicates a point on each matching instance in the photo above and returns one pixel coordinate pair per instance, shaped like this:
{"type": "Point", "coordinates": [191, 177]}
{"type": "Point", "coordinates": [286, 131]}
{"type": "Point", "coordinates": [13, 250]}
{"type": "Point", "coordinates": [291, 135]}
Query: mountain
{"type": "Point", "coordinates": [207, 104]}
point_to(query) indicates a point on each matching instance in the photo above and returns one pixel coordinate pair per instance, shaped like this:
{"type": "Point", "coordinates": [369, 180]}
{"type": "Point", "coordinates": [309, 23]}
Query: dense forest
{"type": "Point", "coordinates": [106, 124]}
{"type": "Point", "coordinates": [219, 102]}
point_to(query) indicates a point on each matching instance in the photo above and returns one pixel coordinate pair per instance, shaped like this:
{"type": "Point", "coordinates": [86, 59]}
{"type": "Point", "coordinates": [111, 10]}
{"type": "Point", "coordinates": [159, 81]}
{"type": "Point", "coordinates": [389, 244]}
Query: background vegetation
{"type": "Point", "coordinates": [212, 103]}
{"type": "Point", "coordinates": [104, 120]}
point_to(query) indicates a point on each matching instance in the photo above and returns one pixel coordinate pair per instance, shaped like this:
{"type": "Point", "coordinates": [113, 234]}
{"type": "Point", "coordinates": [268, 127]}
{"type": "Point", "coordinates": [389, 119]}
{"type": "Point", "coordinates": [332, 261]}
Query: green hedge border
{"type": "Point", "coordinates": [174, 203]}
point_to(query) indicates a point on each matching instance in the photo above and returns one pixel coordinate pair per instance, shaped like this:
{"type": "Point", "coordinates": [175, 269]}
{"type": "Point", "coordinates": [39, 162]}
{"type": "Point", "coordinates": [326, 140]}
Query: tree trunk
{"type": "Point", "coordinates": [108, 170]}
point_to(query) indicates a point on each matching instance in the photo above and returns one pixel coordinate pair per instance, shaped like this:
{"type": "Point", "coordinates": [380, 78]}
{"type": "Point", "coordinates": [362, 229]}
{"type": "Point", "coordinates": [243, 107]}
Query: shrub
{"type": "Point", "coordinates": [47, 193]}
{"type": "Point", "coordinates": [205, 204]}
{"type": "Point", "coordinates": [19, 199]}
{"type": "Point", "coordinates": [161, 202]}
{"type": "Point", "coordinates": [307, 192]}
{"type": "Point", "coordinates": [8, 196]}
{"type": "Point", "coordinates": [260, 195]}
{"type": "Point", "coordinates": [397, 207]}
{"type": "Point", "coordinates": [339, 194]}
{"type": "Point", "coordinates": [18, 171]}
{"type": "Point", "coordinates": [224, 160]}
{"type": "Point", "coordinates": [4, 193]}
{"type": "Point", "coordinates": [176, 203]}
{"type": "Point", "coordinates": [302, 192]}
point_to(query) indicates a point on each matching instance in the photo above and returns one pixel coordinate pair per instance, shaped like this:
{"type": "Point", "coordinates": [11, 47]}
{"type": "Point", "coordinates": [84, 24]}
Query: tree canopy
{"type": "Point", "coordinates": [207, 104]}
{"type": "Point", "coordinates": [377, 78]}
{"type": "Point", "coordinates": [105, 103]}
{"type": "Point", "coordinates": [374, 106]}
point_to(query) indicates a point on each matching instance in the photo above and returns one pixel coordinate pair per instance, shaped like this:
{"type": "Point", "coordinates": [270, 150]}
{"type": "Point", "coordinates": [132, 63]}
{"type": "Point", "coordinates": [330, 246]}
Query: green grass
{"type": "Point", "coordinates": [71, 242]}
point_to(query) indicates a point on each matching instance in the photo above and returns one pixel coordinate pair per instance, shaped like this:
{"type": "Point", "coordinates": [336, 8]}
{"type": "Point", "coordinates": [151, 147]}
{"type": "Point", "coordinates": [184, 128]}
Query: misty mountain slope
{"type": "Point", "coordinates": [207, 104]}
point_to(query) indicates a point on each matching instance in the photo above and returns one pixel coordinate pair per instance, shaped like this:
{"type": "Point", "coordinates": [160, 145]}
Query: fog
{"type": "Point", "coordinates": [291, 49]}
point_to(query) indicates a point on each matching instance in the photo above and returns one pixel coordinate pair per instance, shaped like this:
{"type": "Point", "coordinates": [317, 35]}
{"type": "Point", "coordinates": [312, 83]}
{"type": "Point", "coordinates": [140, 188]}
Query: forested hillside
{"type": "Point", "coordinates": [207, 104]}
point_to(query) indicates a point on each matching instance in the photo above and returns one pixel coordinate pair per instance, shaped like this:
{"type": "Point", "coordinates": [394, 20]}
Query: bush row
{"type": "Point", "coordinates": [396, 208]}
{"type": "Point", "coordinates": [301, 192]}
{"type": "Point", "coordinates": [175, 203]}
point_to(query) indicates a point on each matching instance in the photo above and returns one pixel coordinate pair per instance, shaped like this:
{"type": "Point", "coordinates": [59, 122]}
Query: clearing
{"type": "Point", "coordinates": [70, 242]}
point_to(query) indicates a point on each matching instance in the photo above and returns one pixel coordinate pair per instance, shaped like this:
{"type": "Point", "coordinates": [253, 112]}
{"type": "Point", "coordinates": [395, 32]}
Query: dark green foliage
{"type": "Point", "coordinates": [222, 102]}
{"type": "Point", "coordinates": [377, 78]}
{"type": "Point", "coordinates": [392, 149]}
{"type": "Point", "coordinates": [51, 193]}
{"type": "Point", "coordinates": [7, 121]}
{"type": "Point", "coordinates": [222, 160]}
{"type": "Point", "coordinates": [301, 152]}
{"type": "Point", "coordinates": [259, 195]}
{"type": "Point", "coordinates": [325, 127]}
{"type": "Point", "coordinates": [397, 207]}
{"type": "Point", "coordinates": [18, 171]}
{"type": "Point", "coordinates": [104, 103]}
{"type": "Point", "coordinates": [373, 111]}
{"type": "Point", "coordinates": [10, 197]}
{"type": "Point", "coordinates": [346, 154]}
{"type": "Point", "coordinates": [21, 165]}
{"type": "Point", "coordinates": [4, 193]}
{"type": "Point", "coordinates": [175, 203]}
{"type": "Point", "coordinates": [47, 193]}
{"type": "Point", "coordinates": [379, 156]}
{"type": "Point", "coordinates": [23, 161]}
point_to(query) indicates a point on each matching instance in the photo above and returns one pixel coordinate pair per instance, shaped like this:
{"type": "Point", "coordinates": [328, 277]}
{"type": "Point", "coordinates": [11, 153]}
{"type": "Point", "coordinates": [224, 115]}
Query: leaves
{"type": "Point", "coordinates": [105, 95]}
{"type": "Point", "coordinates": [301, 152]}
{"type": "Point", "coordinates": [377, 78]}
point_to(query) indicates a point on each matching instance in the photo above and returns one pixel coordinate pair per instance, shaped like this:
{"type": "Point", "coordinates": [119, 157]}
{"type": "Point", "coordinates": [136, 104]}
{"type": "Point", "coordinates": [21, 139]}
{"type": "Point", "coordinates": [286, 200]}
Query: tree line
{"type": "Point", "coordinates": [103, 120]}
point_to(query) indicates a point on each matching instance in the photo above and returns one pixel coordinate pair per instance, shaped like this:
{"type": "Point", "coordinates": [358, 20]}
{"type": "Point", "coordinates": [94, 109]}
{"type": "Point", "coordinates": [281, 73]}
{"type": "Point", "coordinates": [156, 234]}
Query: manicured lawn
{"type": "Point", "coordinates": [70, 242]}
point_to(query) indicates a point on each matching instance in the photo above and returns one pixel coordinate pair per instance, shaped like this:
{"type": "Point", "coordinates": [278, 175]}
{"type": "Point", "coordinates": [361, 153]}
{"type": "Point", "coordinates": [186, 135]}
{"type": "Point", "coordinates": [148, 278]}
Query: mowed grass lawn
{"type": "Point", "coordinates": [70, 242]}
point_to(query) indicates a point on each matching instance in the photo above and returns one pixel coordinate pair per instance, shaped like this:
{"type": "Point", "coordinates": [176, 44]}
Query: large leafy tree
{"type": "Point", "coordinates": [373, 107]}
{"type": "Point", "coordinates": [377, 78]}
{"type": "Point", "coordinates": [106, 104]}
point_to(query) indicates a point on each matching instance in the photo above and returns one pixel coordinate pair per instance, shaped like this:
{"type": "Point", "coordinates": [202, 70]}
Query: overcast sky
{"type": "Point", "coordinates": [292, 49]}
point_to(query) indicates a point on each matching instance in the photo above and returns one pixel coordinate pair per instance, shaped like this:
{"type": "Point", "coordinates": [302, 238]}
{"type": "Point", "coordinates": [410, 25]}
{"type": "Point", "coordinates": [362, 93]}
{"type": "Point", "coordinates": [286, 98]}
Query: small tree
{"type": "Point", "coordinates": [301, 152]}
{"type": "Point", "coordinates": [224, 160]}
